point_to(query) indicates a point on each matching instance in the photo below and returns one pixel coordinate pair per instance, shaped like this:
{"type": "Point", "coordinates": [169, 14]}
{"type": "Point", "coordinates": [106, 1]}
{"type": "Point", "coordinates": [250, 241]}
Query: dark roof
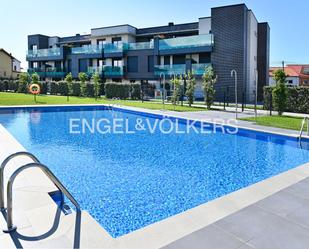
{"type": "Point", "coordinates": [75, 38]}
{"type": "Point", "coordinates": [9, 54]}
{"type": "Point", "coordinates": [168, 28]}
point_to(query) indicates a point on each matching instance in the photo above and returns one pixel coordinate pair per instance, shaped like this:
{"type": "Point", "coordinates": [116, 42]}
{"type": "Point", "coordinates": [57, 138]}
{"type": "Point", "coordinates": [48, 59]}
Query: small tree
{"type": "Point", "coordinates": [35, 80]}
{"type": "Point", "coordinates": [209, 80]}
{"type": "Point", "coordinates": [23, 83]}
{"type": "Point", "coordinates": [83, 88]}
{"type": "Point", "coordinates": [190, 88]}
{"type": "Point", "coordinates": [96, 85]}
{"type": "Point", "coordinates": [176, 90]}
{"type": "Point", "coordinates": [280, 91]}
{"type": "Point", "coordinates": [69, 80]}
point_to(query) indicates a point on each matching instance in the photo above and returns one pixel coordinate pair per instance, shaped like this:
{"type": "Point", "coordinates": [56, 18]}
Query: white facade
{"type": "Point", "coordinates": [292, 81]}
{"type": "Point", "coordinates": [204, 25]}
{"type": "Point", "coordinates": [16, 65]}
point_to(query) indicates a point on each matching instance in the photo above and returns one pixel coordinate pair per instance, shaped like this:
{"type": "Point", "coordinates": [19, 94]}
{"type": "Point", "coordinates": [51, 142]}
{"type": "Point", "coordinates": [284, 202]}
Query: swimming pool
{"type": "Point", "coordinates": [128, 181]}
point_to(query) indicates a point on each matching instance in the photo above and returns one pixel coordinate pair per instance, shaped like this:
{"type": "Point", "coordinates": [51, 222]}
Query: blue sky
{"type": "Point", "coordinates": [288, 20]}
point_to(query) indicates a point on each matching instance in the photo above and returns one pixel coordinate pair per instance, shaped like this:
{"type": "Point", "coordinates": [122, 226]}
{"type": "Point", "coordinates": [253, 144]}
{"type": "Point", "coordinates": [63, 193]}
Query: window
{"type": "Point", "coordinates": [34, 47]}
{"type": "Point", "coordinates": [101, 63]}
{"type": "Point", "coordinates": [179, 59]}
{"type": "Point", "coordinates": [15, 68]}
{"type": "Point", "coordinates": [101, 42]}
{"type": "Point", "coordinates": [306, 82]}
{"type": "Point", "coordinates": [117, 63]}
{"type": "Point", "coordinates": [117, 41]}
{"type": "Point", "coordinates": [35, 65]}
{"type": "Point", "coordinates": [132, 63]}
{"type": "Point", "coordinates": [150, 63]}
{"type": "Point", "coordinates": [167, 60]}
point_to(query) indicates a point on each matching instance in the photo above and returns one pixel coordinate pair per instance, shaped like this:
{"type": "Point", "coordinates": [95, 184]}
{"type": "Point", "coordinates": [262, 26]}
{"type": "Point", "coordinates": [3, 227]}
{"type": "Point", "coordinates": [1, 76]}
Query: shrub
{"type": "Point", "coordinates": [117, 90]}
{"type": "Point", "coordinates": [12, 85]}
{"type": "Point", "coordinates": [90, 90]}
{"type": "Point", "coordinates": [63, 88]}
{"type": "Point", "coordinates": [3, 86]}
{"type": "Point", "coordinates": [23, 81]}
{"type": "Point", "coordinates": [43, 86]}
{"type": "Point", "coordinates": [190, 88]}
{"type": "Point", "coordinates": [76, 89]}
{"type": "Point", "coordinates": [209, 80]}
{"type": "Point", "coordinates": [136, 91]}
{"type": "Point", "coordinates": [297, 99]}
{"type": "Point", "coordinates": [96, 85]}
{"type": "Point", "coordinates": [83, 87]}
{"type": "Point", "coordinates": [280, 97]}
{"type": "Point", "coordinates": [53, 90]}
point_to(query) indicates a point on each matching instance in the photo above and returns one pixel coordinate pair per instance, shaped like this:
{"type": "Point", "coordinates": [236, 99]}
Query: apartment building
{"type": "Point", "coordinates": [9, 65]}
{"type": "Point", "coordinates": [231, 38]}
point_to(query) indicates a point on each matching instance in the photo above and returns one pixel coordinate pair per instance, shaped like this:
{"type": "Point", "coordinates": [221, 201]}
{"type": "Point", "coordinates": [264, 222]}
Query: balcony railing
{"type": "Point", "coordinates": [110, 71]}
{"type": "Point", "coordinates": [186, 42]}
{"type": "Point", "coordinates": [87, 49]}
{"type": "Point", "coordinates": [170, 69]}
{"type": "Point", "coordinates": [199, 69]}
{"type": "Point", "coordinates": [43, 52]}
{"type": "Point", "coordinates": [140, 45]}
{"type": "Point", "coordinates": [50, 72]}
{"type": "Point", "coordinates": [113, 48]}
{"type": "Point", "coordinates": [93, 70]}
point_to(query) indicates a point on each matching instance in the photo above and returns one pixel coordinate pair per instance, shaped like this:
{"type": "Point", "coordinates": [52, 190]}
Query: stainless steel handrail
{"type": "Point", "coordinates": [4, 163]}
{"type": "Point", "coordinates": [303, 126]}
{"type": "Point", "coordinates": [49, 174]}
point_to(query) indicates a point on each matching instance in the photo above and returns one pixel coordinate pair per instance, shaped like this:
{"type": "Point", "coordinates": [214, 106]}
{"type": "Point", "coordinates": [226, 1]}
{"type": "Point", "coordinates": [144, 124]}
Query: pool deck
{"type": "Point", "coordinates": [273, 213]}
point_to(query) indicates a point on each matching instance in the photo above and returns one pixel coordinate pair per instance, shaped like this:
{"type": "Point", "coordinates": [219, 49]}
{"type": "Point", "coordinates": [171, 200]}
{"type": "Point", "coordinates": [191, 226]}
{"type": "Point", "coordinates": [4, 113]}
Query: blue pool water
{"type": "Point", "coordinates": [129, 181]}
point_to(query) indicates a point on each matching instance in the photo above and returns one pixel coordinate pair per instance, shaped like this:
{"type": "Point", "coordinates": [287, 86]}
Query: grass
{"type": "Point", "coordinates": [11, 99]}
{"type": "Point", "coordinates": [285, 122]}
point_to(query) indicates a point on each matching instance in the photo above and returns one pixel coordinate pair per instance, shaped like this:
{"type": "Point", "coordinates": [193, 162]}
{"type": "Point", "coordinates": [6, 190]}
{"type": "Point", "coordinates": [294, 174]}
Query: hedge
{"type": "Point", "coordinates": [297, 101]}
{"type": "Point", "coordinates": [4, 85]}
{"type": "Point", "coordinates": [122, 90]}
{"type": "Point", "coordinates": [53, 88]}
{"type": "Point", "coordinates": [136, 91]}
{"type": "Point", "coordinates": [76, 89]}
{"type": "Point", "coordinates": [63, 88]}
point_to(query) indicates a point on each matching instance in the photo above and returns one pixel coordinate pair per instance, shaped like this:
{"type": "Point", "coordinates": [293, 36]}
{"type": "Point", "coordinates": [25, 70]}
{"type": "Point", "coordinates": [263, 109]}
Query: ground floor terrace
{"type": "Point", "coordinates": [270, 213]}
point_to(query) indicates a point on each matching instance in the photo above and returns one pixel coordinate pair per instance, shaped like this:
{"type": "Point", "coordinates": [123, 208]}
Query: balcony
{"type": "Point", "coordinates": [199, 69]}
{"type": "Point", "coordinates": [198, 43]}
{"type": "Point", "coordinates": [170, 69]}
{"type": "Point", "coordinates": [110, 71]}
{"type": "Point", "coordinates": [140, 45]}
{"type": "Point", "coordinates": [113, 48]}
{"type": "Point", "coordinates": [48, 52]}
{"type": "Point", "coordinates": [49, 72]}
{"type": "Point", "coordinates": [87, 49]}
{"type": "Point", "coordinates": [93, 70]}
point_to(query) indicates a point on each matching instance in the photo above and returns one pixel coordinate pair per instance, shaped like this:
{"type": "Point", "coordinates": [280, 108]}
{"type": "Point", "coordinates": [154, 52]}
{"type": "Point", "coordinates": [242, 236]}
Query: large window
{"type": "Point", "coordinates": [132, 63]}
{"type": "Point", "coordinates": [117, 41]}
{"type": "Point", "coordinates": [150, 63]}
{"type": "Point", "coordinates": [101, 42]}
{"type": "Point", "coordinates": [117, 63]}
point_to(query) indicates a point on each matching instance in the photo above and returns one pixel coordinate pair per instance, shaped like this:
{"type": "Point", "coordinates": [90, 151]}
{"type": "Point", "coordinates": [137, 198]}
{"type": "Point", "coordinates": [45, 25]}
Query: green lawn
{"type": "Point", "coordinates": [285, 122]}
{"type": "Point", "coordinates": [27, 99]}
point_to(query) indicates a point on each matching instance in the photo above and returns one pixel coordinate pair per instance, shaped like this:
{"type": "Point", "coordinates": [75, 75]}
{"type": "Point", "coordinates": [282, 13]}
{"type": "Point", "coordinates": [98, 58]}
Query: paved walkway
{"type": "Point", "coordinates": [280, 221]}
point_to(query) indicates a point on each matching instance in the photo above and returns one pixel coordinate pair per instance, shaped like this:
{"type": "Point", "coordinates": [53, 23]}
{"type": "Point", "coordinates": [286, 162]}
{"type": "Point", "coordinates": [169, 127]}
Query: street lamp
{"type": "Point", "coordinates": [234, 74]}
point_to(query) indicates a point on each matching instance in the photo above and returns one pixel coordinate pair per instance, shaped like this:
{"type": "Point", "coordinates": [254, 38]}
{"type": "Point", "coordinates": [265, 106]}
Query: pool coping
{"type": "Point", "coordinates": [166, 231]}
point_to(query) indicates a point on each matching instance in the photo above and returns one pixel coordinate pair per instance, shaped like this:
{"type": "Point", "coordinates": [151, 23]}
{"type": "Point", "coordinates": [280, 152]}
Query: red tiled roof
{"type": "Point", "coordinates": [290, 70]}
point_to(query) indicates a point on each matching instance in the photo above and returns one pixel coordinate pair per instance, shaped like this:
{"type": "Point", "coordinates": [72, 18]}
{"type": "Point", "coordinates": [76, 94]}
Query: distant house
{"type": "Point", "coordinates": [9, 65]}
{"type": "Point", "coordinates": [298, 75]}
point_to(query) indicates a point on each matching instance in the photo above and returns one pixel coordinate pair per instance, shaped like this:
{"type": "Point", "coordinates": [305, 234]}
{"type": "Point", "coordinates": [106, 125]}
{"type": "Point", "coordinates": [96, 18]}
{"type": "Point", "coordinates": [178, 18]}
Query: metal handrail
{"type": "Point", "coordinates": [303, 126]}
{"type": "Point", "coordinates": [49, 174]}
{"type": "Point", "coordinates": [4, 163]}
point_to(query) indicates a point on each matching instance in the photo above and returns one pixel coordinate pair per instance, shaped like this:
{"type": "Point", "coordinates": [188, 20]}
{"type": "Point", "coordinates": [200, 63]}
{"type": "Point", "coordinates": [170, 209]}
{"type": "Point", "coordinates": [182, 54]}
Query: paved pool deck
{"type": "Point", "coordinates": [270, 214]}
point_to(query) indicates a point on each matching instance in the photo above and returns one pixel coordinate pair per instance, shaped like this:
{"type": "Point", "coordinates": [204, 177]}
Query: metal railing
{"type": "Point", "coordinates": [303, 126]}
{"type": "Point", "coordinates": [35, 164]}
{"type": "Point", "coordinates": [2, 167]}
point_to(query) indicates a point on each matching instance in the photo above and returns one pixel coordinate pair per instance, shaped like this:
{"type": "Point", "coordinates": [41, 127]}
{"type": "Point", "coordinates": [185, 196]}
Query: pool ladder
{"type": "Point", "coordinates": [36, 164]}
{"type": "Point", "coordinates": [302, 128]}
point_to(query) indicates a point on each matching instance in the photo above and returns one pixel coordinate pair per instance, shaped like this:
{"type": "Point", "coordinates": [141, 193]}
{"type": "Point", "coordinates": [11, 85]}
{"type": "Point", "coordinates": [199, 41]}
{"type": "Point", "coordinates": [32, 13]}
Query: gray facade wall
{"type": "Point", "coordinates": [229, 26]}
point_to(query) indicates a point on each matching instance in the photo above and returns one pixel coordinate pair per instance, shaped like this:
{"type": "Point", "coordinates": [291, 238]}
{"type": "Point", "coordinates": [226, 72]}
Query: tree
{"type": "Point", "coordinates": [209, 80]}
{"type": "Point", "coordinates": [23, 83]}
{"type": "Point", "coordinates": [279, 93]}
{"type": "Point", "coordinates": [190, 88]}
{"type": "Point", "coordinates": [96, 84]}
{"type": "Point", "coordinates": [83, 88]}
{"type": "Point", "coordinates": [176, 90]}
{"type": "Point", "coordinates": [69, 80]}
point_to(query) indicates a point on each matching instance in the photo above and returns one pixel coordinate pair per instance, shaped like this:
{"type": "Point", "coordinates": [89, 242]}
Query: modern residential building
{"type": "Point", "coordinates": [9, 65]}
{"type": "Point", "coordinates": [298, 75]}
{"type": "Point", "coordinates": [231, 38]}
